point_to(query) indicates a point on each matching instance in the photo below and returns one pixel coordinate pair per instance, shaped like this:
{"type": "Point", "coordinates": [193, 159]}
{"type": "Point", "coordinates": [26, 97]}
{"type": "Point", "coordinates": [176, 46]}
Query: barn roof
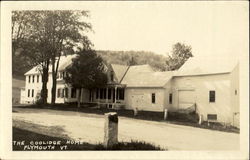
{"type": "Point", "coordinates": [207, 65]}
{"type": "Point", "coordinates": [144, 76]}
{"type": "Point", "coordinates": [148, 79]}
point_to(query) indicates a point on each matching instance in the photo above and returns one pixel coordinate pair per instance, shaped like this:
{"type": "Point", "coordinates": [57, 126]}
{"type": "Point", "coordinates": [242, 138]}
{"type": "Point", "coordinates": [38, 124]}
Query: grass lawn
{"type": "Point", "coordinates": [173, 117]}
{"type": "Point", "coordinates": [31, 138]}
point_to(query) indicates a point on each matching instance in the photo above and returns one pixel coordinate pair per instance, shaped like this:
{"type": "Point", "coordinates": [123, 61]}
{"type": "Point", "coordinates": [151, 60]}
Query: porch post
{"type": "Point", "coordinates": [115, 93]}
{"type": "Point", "coordinates": [106, 95]}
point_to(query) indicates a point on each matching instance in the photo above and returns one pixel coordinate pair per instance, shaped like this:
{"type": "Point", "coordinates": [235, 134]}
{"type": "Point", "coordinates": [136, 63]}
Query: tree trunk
{"type": "Point", "coordinates": [45, 74]}
{"type": "Point", "coordinates": [54, 78]}
{"type": "Point", "coordinates": [53, 89]}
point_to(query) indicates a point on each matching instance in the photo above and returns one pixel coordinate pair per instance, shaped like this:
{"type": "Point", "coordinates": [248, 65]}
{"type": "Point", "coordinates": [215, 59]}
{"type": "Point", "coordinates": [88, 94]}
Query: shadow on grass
{"type": "Point", "coordinates": [31, 138]}
{"type": "Point", "coordinates": [173, 117]}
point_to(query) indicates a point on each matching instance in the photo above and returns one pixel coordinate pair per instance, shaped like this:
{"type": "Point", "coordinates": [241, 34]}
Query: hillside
{"type": "Point", "coordinates": [158, 62]}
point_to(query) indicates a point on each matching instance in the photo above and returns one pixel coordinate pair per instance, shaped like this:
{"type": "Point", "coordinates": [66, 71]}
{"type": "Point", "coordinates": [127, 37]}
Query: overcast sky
{"type": "Point", "coordinates": [209, 27]}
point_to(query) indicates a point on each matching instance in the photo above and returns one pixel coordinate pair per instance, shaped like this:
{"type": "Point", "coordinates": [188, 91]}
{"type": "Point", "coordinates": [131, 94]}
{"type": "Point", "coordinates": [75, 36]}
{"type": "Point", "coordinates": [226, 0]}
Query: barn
{"type": "Point", "coordinates": [212, 84]}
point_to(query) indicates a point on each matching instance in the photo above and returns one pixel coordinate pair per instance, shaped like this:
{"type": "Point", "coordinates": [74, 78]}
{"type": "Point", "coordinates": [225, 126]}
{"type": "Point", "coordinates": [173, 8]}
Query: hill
{"type": "Point", "coordinates": [157, 62]}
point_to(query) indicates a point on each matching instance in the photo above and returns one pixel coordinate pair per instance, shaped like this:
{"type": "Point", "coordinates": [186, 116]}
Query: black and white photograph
{"type": "Point", "coordinates": [125, 76]}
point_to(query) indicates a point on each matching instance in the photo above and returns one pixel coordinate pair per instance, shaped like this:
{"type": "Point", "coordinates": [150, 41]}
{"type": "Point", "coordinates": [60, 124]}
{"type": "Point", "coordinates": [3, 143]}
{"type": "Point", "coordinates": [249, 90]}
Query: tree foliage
{"type": "Point", "coordinates": [179, 55]}
{"type": "Point", "coordinates": [87, 71]}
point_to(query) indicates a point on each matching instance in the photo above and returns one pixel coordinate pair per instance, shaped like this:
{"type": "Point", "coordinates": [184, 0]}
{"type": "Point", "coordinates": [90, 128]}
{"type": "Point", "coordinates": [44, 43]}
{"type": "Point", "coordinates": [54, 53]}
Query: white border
{"type": "Point", "coordinates": [6, 94]}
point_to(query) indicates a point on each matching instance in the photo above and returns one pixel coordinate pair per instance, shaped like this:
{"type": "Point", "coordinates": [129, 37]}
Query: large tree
{"type": "Point", "coordinates": [44, 36]}
{"type": "Point", "coordinates": [179, 55]}
{"type": "Point", "coordinates": [29, 45]}
{"type": "Point", "coordinates": [66, 32]}
{"type": "Point", "coordinates": [87, 71]}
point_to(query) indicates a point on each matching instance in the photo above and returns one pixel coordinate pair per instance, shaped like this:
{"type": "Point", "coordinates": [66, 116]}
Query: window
{"type": "Point", "coordinates": [211, 96]}
{"type": "Point", "coordinates": [66, 92]}
{"type": "Point", "coordinates": [97, 94]}
{"type": "Point", "coordinates": [120, 93]}
{"type": "Point", "coordinates": [90, 96]}
{"type": "Point", "coordinates": [33, 78]}
{"type": "Point", "coordinates": [112, 76]}
{"type": "Point", "coordinates": [153, 97]}
{"type": "Point", "coordinates": [32, 93]}
{"type": "Point", "coordinates": [109, 93]}
{"type": "Point", "coordinates": [58, 92]}
{"type": "Point", "coordinates": [73, 93]}
{"type": "Point", "coordinates": [101, 93]}
{"type": "Point", "coordinates": [62, 95]}
{"type": "Point", "coordinates": [28, 92]}
{"type": "Point", "coordinates": [64, 75]}
{"type": "Point", "coordinates": [211, 116]}
{"type": "Point", "coordinates": [37, 78]}
{"type": "Point", "coordinates": [235, 92]}
{"type": "Point", "coordinates": [170, 98]}
{"type": "Point", "coordinates": [29, 79]}
{"type": "Point", "coordinates": [104, 93]}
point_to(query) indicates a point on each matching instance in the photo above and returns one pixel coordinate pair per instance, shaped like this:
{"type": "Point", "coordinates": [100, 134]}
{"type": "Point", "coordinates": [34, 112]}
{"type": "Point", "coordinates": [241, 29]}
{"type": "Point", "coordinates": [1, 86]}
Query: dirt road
{"type": "Point", "coordinates": [90, 128]}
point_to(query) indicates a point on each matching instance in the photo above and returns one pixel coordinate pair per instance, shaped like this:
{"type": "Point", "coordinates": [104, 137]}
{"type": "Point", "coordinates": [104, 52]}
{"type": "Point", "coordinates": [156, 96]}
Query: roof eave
{"type": "Point", "coordinates": [201, 74]}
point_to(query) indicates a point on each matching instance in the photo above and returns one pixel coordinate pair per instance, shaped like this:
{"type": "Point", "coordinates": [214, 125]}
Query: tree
{"type": "Point", "coordinates": [29, 45]}
{"type": "Point", "coordinates": [49, 35]}
{"type": "Point", "coordinates": [87, 71]}
{"type": "Point", "coordinates": [132, 61]}
{"type": "Point", "coordinates": [65, 31]}
{"type": "Point", "coordinates": [180, 55]}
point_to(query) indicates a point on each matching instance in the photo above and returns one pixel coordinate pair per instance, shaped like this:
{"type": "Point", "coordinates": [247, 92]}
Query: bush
{"type": "Point", "coordinates": [39, 101]}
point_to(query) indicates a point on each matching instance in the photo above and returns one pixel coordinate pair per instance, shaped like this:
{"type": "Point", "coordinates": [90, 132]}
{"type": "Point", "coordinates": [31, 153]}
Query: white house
{"type": "Point", "coordinates": [211, 86]}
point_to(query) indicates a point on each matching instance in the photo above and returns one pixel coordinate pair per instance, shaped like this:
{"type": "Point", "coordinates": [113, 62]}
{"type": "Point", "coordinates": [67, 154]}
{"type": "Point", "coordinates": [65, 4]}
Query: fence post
{"type": "Point", "coordinates": [135, 111]}
{"type": "Point", "coordinates": [165, 113]}
{"type": "Point", "coordinates": [200, 119]}
{"type": "Point", "coordinates": [110, 129]}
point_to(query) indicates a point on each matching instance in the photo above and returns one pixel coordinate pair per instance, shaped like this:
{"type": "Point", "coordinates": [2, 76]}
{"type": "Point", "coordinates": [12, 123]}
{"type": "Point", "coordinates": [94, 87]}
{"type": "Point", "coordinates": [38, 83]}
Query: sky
{"type": "Point", "coordinates": [211, 28]}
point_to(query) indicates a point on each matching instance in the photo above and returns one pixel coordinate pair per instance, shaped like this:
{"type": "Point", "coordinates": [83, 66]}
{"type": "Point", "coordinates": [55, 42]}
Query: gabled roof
{"type": "Point", "coordinates": [142, 76]}
{"type": "Point", "coordinates": [148, 79]}
{"type": "Point", "coordinates": [65, 61]}
{"type": "Point", "coordinates": [207, 65]}
{"type": "Point", "coordinates": [119, 71]}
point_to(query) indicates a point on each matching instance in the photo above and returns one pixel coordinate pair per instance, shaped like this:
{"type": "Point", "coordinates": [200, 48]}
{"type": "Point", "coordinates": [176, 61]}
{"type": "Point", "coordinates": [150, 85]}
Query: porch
{"type": "Point", "coordinates": [112, 96]}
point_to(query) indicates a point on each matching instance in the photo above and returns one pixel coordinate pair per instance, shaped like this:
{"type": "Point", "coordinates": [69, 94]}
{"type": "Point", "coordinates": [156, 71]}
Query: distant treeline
{"type": "Point", "coordinates": [157, 62]}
